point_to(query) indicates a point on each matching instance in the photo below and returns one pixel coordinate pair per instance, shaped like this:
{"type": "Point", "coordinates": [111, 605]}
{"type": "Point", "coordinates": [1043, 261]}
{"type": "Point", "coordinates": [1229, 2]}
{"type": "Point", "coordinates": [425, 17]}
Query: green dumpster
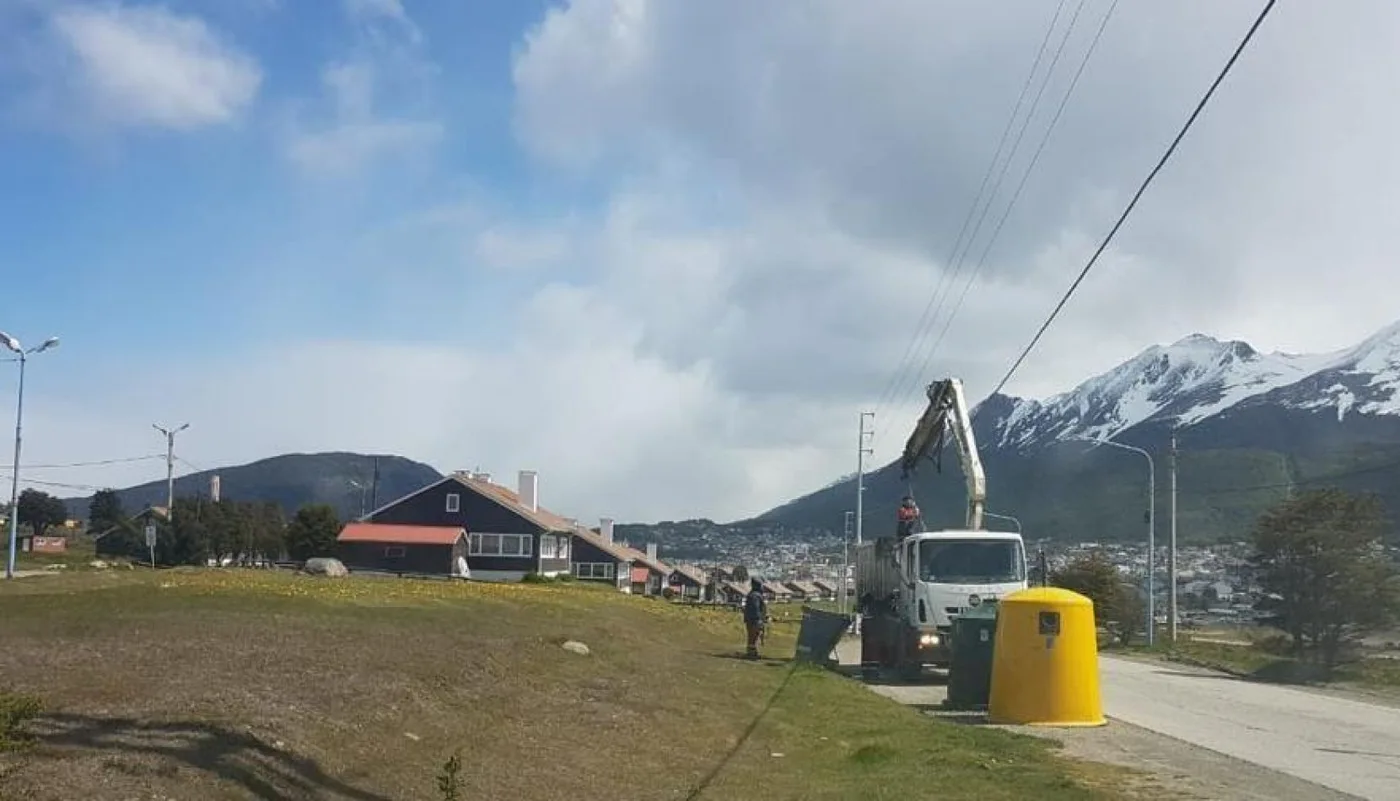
{"type": "Point", "coordinates": [970, 668]}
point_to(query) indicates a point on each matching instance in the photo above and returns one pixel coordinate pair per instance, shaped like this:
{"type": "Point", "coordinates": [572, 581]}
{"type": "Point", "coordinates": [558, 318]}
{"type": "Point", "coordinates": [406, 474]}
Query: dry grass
{"type": "Point", "coordinates": [242, 684]}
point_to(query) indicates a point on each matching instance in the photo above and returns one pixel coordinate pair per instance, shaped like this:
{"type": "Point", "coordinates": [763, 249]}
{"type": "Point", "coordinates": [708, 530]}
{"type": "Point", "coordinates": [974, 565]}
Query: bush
{"type": "Point", "coordinates": [16, 710]}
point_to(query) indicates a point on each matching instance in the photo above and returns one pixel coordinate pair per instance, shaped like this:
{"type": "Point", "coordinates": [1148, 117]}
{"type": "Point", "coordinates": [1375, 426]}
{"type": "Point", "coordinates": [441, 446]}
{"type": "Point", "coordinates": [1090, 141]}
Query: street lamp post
{"type": "Point", "coordinates": [14, 345]}
{"type": "Point", "coordinates": [1151, 530]}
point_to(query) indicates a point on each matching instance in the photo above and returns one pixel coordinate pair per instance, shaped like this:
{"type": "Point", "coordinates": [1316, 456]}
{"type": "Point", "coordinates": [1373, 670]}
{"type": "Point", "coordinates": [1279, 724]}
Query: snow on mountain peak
{"type": "Point", "coordinates": [1198, 377]}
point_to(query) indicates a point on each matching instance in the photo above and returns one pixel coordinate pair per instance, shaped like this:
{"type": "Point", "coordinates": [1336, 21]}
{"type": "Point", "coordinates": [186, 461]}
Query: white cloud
{"type": "Point", "coordinates": [612, 432]}
{"type": "Point", "coordinates": [355, 132]}
{"type": "Point", "coordinates": [784, 185]}
{"type": "Point", "coordinates": [148, 67]}
{"type": "Point", "coordinates": [865, 131]}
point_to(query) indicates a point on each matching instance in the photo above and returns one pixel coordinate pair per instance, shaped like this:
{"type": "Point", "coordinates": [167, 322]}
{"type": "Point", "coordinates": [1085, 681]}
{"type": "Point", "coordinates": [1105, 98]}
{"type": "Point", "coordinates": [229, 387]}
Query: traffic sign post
{"type": "Point", "coordinates": [151, 543]}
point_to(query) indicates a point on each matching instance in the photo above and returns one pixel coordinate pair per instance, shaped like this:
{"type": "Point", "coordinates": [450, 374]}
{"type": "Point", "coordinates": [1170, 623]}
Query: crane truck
{"type": "Point", "coordinates": [911, 586]}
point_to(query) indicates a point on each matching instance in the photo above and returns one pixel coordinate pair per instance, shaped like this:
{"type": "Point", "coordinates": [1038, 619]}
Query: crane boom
{"type": "Point", "coordinates": [947, 411]}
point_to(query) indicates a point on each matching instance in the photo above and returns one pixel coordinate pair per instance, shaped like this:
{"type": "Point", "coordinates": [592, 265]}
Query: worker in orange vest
{"type": "Point", "coordinates": [908, 516]}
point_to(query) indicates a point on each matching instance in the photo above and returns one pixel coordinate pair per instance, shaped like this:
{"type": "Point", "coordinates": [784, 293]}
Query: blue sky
{"type": "Point", "coordinates": [661, 251]}
{"type": "Point", "coordinates": [112, 220]}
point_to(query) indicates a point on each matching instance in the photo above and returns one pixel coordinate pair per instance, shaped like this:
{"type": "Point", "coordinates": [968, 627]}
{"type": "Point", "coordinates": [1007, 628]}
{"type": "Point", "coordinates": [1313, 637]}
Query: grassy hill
{"type": "Point", "coordinates": [292, 480]}
{"type": "Point", "coordinates": [260, 684]}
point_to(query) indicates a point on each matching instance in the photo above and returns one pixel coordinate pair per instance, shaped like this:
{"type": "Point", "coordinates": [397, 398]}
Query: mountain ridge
{"type": "Point", "coordinates": [1248, 424]}
{"type": "Point", "coordinates": [291, 480]}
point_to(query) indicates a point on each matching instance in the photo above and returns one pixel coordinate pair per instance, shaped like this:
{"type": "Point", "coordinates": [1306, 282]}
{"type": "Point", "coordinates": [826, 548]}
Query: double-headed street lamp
{"type": "Point", "coordinates": [23, 355]}
{"type": "Point", "coordinates": [1151, 529]}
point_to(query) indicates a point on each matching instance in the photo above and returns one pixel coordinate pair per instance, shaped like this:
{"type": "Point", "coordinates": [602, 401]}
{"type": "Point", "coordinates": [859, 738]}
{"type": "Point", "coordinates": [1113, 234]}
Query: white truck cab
{"type": "Point", "coordinates": [945, 573]}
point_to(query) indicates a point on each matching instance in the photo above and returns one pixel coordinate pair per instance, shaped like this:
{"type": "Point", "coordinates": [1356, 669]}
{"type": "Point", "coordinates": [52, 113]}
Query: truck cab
{"type": "Point", "coordinates": [946, 573]}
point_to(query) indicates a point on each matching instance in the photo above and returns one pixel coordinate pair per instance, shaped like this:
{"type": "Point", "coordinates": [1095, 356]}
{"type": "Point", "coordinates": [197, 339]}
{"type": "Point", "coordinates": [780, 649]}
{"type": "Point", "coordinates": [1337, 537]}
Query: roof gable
{"type": "Point", "coordinates": [612, 549]}
{"type": "Point", "coordinates": [506, 497]}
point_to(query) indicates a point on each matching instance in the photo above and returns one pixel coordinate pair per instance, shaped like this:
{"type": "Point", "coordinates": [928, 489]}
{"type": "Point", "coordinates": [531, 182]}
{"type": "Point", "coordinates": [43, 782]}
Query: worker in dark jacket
{"type": "Point", "coordinates": [755, 615]}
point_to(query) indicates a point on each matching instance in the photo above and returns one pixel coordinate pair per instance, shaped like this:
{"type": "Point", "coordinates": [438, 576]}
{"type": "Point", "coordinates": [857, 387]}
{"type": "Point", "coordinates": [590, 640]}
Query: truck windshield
{"type": "Point", "coordinates": [971, 561]}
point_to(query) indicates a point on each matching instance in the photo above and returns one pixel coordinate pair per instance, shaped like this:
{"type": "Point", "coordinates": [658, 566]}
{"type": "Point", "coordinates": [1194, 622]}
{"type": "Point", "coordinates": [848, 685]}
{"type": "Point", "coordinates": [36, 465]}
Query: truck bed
{"type": "Point", "coordinates": [877, 571]}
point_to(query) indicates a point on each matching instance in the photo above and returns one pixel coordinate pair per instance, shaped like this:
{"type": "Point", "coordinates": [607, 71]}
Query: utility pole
{"type": "Point", "coordinates": [1171, 554]}
{"type": "Point", "coordinates": [861, 451]}
{"type": "Point", "coordinates": [374, 486]}
{"type": "Point", "coordinates": [845, 562]}
{"type": "Point", "coordinates": [170, 467]}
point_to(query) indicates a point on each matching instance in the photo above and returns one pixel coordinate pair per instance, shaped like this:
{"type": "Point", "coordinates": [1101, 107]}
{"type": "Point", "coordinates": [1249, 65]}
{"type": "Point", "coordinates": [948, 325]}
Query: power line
{"type": "Point", "coordinates": [97, 463]}
{"type": "Point", "coordinates": [56, 484]}
{"type": "Point", "coordinates": [1162, 162]}
{"type": "Point", "coordinates": [897, 378]}
{"type": "Point", "coordinates": [1380, 468]}
{"type": "Point", "coordinates": [1020, 187]}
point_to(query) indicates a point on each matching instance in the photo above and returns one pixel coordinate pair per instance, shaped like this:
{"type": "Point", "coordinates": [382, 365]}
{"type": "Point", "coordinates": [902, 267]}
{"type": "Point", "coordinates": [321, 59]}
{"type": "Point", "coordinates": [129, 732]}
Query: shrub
{"type": "Point", "coordinates": [16, 710]}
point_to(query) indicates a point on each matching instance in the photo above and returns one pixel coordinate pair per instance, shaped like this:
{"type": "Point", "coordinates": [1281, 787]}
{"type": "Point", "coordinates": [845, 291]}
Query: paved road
{"type": "Point", "coordinates": [1351, 747]}
{"type": "Point", "coordinates": [1347, 745]}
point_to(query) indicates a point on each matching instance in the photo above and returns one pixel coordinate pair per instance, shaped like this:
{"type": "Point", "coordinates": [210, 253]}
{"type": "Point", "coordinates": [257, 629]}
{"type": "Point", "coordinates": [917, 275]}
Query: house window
{"type": "Point", "coordinates": [395, 552]}
{"type": "Point", "coordinates": [563, 549]}
{"type": "Point", "coordinates": [549, 546]}
{"type": "Point", "coordinates": [594, 570]}
{"type": "Point", "coordinates": [500, 545]}
{"type": "Point", "coordinates": [454, 502]}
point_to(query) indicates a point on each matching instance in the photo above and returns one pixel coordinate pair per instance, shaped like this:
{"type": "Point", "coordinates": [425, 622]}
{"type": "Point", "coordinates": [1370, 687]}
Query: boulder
{"type": "Point", "coordinates": [576, 647]}
{"type": "Point", "coordinates": [325, 566]}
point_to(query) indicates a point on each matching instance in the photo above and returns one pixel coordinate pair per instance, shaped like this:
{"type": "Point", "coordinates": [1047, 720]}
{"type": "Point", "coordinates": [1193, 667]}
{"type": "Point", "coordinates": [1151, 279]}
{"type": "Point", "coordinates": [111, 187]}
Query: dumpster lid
{"type": "Point", "coordinates": [983, 611]}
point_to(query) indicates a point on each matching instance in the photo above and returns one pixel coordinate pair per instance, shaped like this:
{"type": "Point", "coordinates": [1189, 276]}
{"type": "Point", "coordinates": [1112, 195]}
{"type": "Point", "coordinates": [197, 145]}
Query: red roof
{"type": "Point", "coordinates": [405, 535]}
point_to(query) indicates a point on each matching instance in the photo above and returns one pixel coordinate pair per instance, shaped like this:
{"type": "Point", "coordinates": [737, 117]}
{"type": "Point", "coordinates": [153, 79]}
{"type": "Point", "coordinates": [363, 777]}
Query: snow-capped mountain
{"type": "Point", "coordinates": [1251, 428]}
{"type": "Point", "coordinates": [1198, 378]}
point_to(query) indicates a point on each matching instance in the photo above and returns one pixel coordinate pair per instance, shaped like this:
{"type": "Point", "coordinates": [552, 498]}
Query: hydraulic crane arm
{"type": "Point", "coordinates": [947, 411]}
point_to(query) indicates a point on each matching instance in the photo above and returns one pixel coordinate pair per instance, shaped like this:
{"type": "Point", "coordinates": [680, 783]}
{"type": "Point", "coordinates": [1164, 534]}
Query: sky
{"type": "Point", "coordinates": [663, 252]}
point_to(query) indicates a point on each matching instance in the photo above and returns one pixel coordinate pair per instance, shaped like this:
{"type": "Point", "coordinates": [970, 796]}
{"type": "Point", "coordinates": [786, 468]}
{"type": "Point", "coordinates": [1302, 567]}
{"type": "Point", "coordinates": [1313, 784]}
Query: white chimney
{"type": "Point", "coordinates": [529, 490]}
{"type": "Point", "coordinates": [605, 529]}
{"type": "Point", "coordinates": [486, 477]}
{"type": "Point", "coordinates": [214, 489]}
{"type": "Point", "coordinates": [651, 551]}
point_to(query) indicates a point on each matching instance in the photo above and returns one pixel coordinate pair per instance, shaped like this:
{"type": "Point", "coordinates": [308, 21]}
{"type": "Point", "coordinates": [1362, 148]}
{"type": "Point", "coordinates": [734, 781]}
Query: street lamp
{"type": "Point", "coordinates": [354, 484]}
{"type": "Point", "coordinates": [23, 355]}
{"type": "Point", "coordinates": [1008, 518]}
{"type": "Point", "coordinates": [1151, 529]}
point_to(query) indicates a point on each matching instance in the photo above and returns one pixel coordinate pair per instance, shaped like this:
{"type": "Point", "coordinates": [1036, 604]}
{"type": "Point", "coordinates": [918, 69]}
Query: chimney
{"type": "Point", "coordinates": [605, 529]}
{"type": "Point", "coordinates": [486, 477]}
{"type": "Point", "coordinates": [651, 551]}
{"type": "Point", "coordinates": [214, 488]}
{"type": "Point", "coordinates": [529, 490]}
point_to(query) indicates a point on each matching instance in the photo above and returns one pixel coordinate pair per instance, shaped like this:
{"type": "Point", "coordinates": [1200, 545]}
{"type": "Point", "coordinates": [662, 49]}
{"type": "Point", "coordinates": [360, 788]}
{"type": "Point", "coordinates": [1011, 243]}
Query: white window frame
{"type": "Point", "coordinates": [564, 547]}
{"type": "Point", "coordinates": [454, 502]}
{"type": "Point", "coordinates": [549, 546]}
{"type": "Point", "coordinates": [522, 545]}
{"type": "Point", "coordinates": [591, 570]}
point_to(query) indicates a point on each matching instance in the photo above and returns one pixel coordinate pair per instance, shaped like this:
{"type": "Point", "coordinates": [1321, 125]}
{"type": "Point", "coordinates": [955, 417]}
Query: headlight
{"type": "Point", "coordinates": [929, 640]}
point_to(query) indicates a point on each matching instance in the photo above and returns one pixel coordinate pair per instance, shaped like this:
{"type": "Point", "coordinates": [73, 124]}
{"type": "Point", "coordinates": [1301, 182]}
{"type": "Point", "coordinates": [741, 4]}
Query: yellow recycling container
{"type": "Point", "coordinates": [1045, 664]}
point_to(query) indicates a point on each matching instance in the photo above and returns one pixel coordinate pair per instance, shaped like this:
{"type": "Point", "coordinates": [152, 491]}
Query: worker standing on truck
{"type": "Point", "coordinates": [755, 613]}
{"type": "Point", "coordinates": [908, 516]}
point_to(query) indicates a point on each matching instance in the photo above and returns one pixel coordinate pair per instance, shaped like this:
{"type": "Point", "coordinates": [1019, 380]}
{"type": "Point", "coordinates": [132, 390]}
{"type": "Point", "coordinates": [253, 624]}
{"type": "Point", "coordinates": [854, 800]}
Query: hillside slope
{"type": "Point", "coordinates": [291, 480]}
{"type": "Point", "coordinates": [1251, 428]}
